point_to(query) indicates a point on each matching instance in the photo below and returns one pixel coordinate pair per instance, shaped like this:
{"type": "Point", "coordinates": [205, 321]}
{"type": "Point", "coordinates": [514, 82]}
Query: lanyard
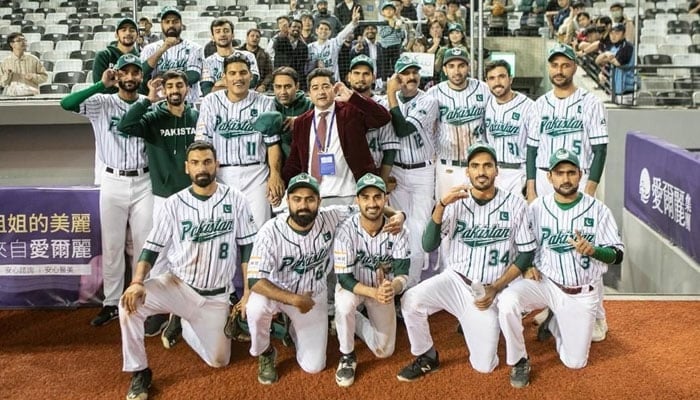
{"type": "Point", "coordinates": [328, 134]}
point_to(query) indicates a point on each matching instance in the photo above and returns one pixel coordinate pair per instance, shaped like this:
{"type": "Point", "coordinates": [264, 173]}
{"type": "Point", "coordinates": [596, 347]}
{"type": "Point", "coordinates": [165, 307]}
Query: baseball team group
{"type": "Point", "coordinates": [326, 206]}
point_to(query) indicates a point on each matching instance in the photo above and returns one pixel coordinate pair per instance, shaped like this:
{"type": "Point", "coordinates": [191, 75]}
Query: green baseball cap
{"type": "Point", "coordinates": [128, 59]}
{"type": "Point", "coordinates": [370, 180]}
{"type": "Point", "coordinates": [454, 27]}
{"type": "Point", "coordinates": [388, 4]}
{"type": "Point", "coordinates": [455, 53]}
{"type": "Point", "coordinates": [269, 123]}
{"type": "Point", "coordinates": [563, 49]}
{"type": "Point", "coordinates": [362, 60]}
{"type": "Point", "coordinates": [428, 2]}
{"type": "Point", "coordinates": [563, 155]}
{"type": "Point", "coordinates": [303, 180]}
{"type": "Point", "coordinates": [170, 10]}
{"type": "Point", "coordinates": [480, 147]}
{"type": "Point", "coordinates": [125, 21]}
{"type": "Point", "coordinates": [405, 62]}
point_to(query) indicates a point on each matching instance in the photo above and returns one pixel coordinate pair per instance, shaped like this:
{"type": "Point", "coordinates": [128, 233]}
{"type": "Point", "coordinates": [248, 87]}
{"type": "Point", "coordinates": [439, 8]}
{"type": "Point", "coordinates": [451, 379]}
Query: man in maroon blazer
{"type": "Point", "coordinates": [328, 141]}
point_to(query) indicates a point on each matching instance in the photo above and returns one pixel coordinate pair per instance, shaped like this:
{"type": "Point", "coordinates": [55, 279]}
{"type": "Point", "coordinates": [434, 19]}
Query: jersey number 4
{"type": "Point", "coordinates": [494, 258]}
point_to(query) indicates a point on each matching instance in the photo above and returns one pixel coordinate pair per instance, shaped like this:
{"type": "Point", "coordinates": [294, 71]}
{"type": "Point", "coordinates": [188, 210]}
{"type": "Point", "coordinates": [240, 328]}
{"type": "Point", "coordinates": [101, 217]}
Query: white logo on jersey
{"type": "Point", "coordinates": [559, 241]}
{"type": "Point", "coordinates": [560, 126]}
{"type": "Point", "coordinates": [644, 185]}
{"type": "Point", "coordinates": [461, 115]}
{"type": "Point", "coordinates": [206, 230]}
{"type": "Point", "coordinates": [478, 235]}
{"type": "Point", "coordinates": [501, 129]}
{"type": "Point", "coordinates": [177, 132]}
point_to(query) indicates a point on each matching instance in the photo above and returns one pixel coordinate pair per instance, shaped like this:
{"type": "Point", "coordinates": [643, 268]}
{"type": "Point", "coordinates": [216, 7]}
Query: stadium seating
{"type": "Point", "coordinates": [54, 88]}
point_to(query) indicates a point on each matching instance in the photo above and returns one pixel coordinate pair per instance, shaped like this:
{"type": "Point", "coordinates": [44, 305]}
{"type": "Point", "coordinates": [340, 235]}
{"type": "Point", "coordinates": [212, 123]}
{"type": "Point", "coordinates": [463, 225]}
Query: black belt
{"type": "Point", "coordinates": [510, 165]}
{"type": "Point", "coordinates": [465, 279]}
{"type": "Point", "coordinates": [209, 292]}
{"type": "Point", "coordinates": [454, 163]}
{"type": "Point", "coordinates": [127, 172]}
{"type": "Point", "coordinates": [240, 165]}
{"type": "Point", "coordinates": [572, 290]}
{"type": "Point", "coordinates": [411, 166]}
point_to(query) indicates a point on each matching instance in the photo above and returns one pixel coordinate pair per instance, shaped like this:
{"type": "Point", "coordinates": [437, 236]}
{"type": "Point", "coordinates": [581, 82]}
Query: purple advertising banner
{"type": "Point", "coordinates": [49, 247]}
{"type": "Point", "coordinates": [662, 181]}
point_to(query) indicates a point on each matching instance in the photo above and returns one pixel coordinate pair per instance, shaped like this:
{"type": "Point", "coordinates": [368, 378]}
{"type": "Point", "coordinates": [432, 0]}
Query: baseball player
{"type": "Point", "coordinates": [126, 35]}
{"type": "Point", "coordinates": [461, 101]}
{"type": "Point", "coordinates": [323, 53]}
{"type": "Point", "coordinates": [577, 238]}
{"type": "Point", "coordinates": [506, 122]}
{"type": "Point", "coordinates": [489, 247]}
{"type": "Point", "coordinates": [213, 66]}
{"type": "Point", "coordinates": [413, 115]}
{"type": "Point", "coordinates": [173, 52]}
{"type": "Point", "coordinates": [167, 129]}
{"type": "Point", "coordinates": [572, 118]}
{"type": "Point", "coordinates": [249, 160]}
{"type": "Point", "coordinates": [372, 267]}
{"type": "Point", "coordinates": [287, 273]}
{"type": "Point", "coordinates": [383, 142]}
{"type": "Point", "coordinates": [202, 230]}
{"type": "Point", "coordinates": [125, 193]}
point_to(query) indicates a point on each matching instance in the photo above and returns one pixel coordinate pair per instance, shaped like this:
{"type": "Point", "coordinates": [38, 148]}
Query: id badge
{"type": "Point", "coordinates": [326, 163]}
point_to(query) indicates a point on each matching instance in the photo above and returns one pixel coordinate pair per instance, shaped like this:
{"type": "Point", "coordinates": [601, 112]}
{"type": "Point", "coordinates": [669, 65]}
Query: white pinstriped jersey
{"type": "Point", "coordinates": [506, 127]}
{"type": "Point", "coordinates": [552, 226]}
{"type": "Point", "coordinates": [292, 261]}
{"type": "Point", "coordinates": [461, 117]}
{"type": "Point", "coordinates": [485, 239]}
{"type": "Point", "coordinates": [422, 112]}
{"type": "Point", "coordinates": [185, 56]}
{"type": "Point", "coordinates": [358, 253]}
{"type": "Point", "coordinates": [576, 123]}
{"type": "Point", "coordinates": [213, 66]}
{"type": "Point", "coordinates": [202, 235]}
{"type": "Point", "coordinates": [114, 148]}
{"type": "Point", "coordinates": [328, 52]}
{"type": "Point", "coordinates": [229, 126]}
{"type": "Point", "coordinates": [382, 139]}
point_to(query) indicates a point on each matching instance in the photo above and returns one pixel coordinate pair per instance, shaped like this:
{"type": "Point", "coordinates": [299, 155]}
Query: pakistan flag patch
{"type": "Point", "coordinates": [227, 208]}
{"type": "Point", "coordinates": [516, 116]}
{"type": "Point", "coordinates": [504, 216]}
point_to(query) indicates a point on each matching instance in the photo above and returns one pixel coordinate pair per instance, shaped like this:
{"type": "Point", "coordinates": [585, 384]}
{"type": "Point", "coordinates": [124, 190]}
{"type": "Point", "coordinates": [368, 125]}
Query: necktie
{"type": "Point", "coordinates": [320, 140]}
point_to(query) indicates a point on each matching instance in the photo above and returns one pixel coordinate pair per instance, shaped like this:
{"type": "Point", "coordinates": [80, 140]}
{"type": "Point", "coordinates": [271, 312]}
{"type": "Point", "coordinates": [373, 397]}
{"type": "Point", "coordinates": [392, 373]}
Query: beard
{"type": "Point", "coordinates": [175, 99]}
{"type": "Point", "coordinates": [360, 88]}
{"type": "Point", "coordinates": [129, 86]}
{"type": "Point", "coordinates": [566, 189]}
{"type": "Point", "coordinates": [203, 180]}
{"type": "Point", "coordinates": [303, 217]}
{"type": "Point", "coordinates": [372, 214]}
{"type": "Point", "coordinates": [172, 32]}
{"type": "Point", "coordinates": [480, 184]}
{"type": "Point", "coordinates": [566, 83]}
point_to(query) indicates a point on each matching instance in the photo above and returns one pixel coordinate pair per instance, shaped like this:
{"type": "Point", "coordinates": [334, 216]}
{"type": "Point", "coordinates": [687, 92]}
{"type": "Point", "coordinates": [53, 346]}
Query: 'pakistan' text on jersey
{"type": "Point", "coordinates": [484, 240]}
{"type": "Point", "coordinates": [358, 253]}
{"type": "Point", "coordinates": [461, 117]}
{"type": "Point", "coordinates": [292, 261]}
{"type": "Point", "coordinates": [422, 112]}
{"type": "Point", "coordinates": [229, 126]}
{"type": "Point", "coordinates": [114, 148]}
{"type": "Point", "coordinates": [382, 139]}
{"type": "Point", "coordinates": [576, 123]}
{"type": "Point", "coordinates": [506, 127]}
{"type": "Point", "coordinates": [202, 236]}
{"type": "Point", "coordinates": [184, 56]}
{"type": "Point", "coordinates": [213, 66]}
{"type": "Point", "coordinates": [552, 227]}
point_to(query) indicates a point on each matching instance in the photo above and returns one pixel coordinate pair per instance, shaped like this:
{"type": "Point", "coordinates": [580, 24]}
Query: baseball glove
{"type": "Point", "coordinates": [498, 9]}
{"type": "Point", "coordinates": [236, 328]}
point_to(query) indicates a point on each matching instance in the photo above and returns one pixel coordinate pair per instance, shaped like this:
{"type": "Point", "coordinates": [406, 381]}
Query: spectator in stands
{"type": "Point", "coordinates": [583, 22]}
{"type": "Point", "coordinates": [407, 24]}
{"type": "Point", "coordinates": [604, 24]}
{"type": "Point", "coordinates": [392, 35]}
{"type": "Point", "coordinates": [146, 37]}
{"type": "Point", "coordinates": [252, 44]}
{"type": "Point", "coordinates": [283, 23]}
{"type": "Point", "coordinates": [324, 52]}
{"type": "Point", "coordinates": [533, 14]}
{"type": "Point", "coordinates": [290, 50]}
{"type": "Point", "coordinates": [408, 10]}
{"type": "Point", "coordinates": [617, 63]}
{"type": "Point", "coordinates": [617, 14]}
{"type": "Point", "coordinates": [455, 33]}
{"type": "Point", "coordinates": [294, 11]}
{"type": "Point", "coordinates": [343, 11]}
{"type": "Point", "coordinates": [368, 45]}
{"type": "Point", "coordinates": [307, 28]}
{"type": "Point", "coordinates": [127, 35]}
{"type": "Point", "coordinates": [437, 37]}
{"type": "Point", "coordinates": [428, 13]}
{"type": "Point", "coordinates": [557, 17]}
{"type": "Point", "coordinates": [498, 16]}
{"type": "Point", "coordinates": [694, 7]}
{"type": "Point", "coordinates": [174, 52]}
{"type": "Point", "coordinates": [20, 71]}
{"type": "Point", "coordinates": [289, 101]}
{"type": "Point", "coordinates": [323, 14]}
{"type": "Point", "coordinates": [590, 42]}
{"type": "Point", "coordinates": [454, 13]}
{"type": "Point", "coordinates": [567, 31]}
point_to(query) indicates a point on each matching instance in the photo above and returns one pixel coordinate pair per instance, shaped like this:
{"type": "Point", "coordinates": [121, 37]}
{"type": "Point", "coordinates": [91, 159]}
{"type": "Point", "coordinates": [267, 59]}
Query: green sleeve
{"type": "Point", "coordinates": [524, 260]}
{"type": "Point", "coordinates": [132, 122]}
{"type": "Point", "coordinates": [206, 87]}
{"type": "Point", "coordinates": [607, 255]}
{"type": "Point", "coordinates": [402, 127]}
{"type": "Point", "coordinates": [73, 101]}
{"type": "Point", "coordinates": [431, 236]}
{"type": "Point", "coordinates": [400, 267]}
{"type": "Point", "coordinates": [347, 281]}
{"type": "Point", "coordinates": [148, 256]}
{"type": "Point", "coordinates": [388, 157]}
{"type": "Point", "coordinates": [530, 166]}
{"type": "Point", "coordinates": [600, 152]}
{"type": "Point", "coordinates": [245, 250]}
{"type": "Point", "coordinates": [252, 282]}
{"type": "Point", "coordinates": [193, 77]}
{"type": "Point", "coordinates": [100, 66]}
{"type": "Point", "coordinates": [147, 70]}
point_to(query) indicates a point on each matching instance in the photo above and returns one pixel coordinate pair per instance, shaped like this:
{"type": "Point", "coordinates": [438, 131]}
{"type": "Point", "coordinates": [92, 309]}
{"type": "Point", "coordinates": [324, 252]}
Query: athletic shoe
{"type": "Point", "coordinates": [140, 383]}
{"type": "Point", "coordinates": [267, 374]}
{"type": "Point", "coordinates": [345, 374]}
{"type": "Point", "coordinates": [106, 314]}
{"type": "Point", "coordinates": [600, 330]}
{"type": "Point", "coordinates": [421, 366]}
{"type": "Point", "coordinates": [155, 324]}
{"type": "Point", "coordinates": [520, 374]}
{"type": "Point", "coordinates": [543, 332]}
{"type": "Point", "coordinates": [172, 332]}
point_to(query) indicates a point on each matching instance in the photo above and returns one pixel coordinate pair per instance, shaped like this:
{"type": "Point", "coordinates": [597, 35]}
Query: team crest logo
{"type": "Point", "coordinates": [504, 216]}
{"type": "Point", "coordinates": [227, 208]}
{"type": "Point", "coordinates": [254, 112]}
{"type": "Point", "coordinates": [327, 236]}
{"type": "Point", "coordinates": [479, 97]}
{"type": "Point", "coordinates": [588, 222]}
{"type": "Point", "coordinates": [516, 116]}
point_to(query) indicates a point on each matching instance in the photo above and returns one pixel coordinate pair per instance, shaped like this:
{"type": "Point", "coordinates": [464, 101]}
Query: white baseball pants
{"type": "Point", "coordinates": [511, 180]}
{"type": "Point", "coordinates": [252, 181]}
